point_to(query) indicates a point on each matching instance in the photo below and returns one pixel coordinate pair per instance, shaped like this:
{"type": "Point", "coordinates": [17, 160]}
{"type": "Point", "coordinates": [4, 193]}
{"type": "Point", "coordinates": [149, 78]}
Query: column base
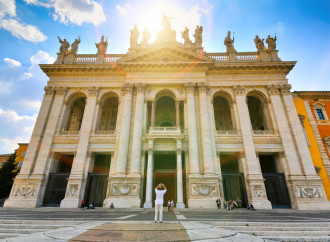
{"type": "Point", "coordinates": [147, 205]}
{"type": "Point", "coordinates": [261, 204]}
{"type": "Point", "coordinates": [122, 202]}
{"type": "Point", "coordinates": [180, 205]}
{"type": "Point", "coordinates": [202, 203]}
{"type": "Point", "coordinates": [70, 203]}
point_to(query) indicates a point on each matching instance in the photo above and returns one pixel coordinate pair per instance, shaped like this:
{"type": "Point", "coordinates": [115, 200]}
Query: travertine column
{"type": "Point", "coordinates": [148, 202]}
{"type": "Point", "coordinates": [137, 133]}
{"type": "Point", "coordinates": [177, 113]}
{"type": "Point", "coordinates": [284, 130]}
{"type": "Point", "coordinates": [179, 203]}
{"type": "Point", "coordinates": [298, 133]}
{"type": "Point", "coordinates": [39, 128]}
{"type": "Point", "coordinates": [254, 177]}
{"type": "Point", "coordinates": [192, 130]}
{"type": "Point", "coordinates": [77, 177]}
{"type": "Point", "coordinates": [153, 113]}
{"type": "Point", "coordinates": [205, 131]}
{"type": "Point", "coordinates": [125, 130]}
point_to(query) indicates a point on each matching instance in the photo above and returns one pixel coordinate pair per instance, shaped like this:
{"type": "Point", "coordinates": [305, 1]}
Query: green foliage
{"type": "Point", "coordinates": [8, 171]}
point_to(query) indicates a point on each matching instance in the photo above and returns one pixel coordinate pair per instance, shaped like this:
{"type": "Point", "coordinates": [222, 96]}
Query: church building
{"type": "Point", "coordinates": [111, 127]}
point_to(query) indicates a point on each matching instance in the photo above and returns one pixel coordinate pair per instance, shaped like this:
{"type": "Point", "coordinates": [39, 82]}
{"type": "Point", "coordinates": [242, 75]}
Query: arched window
{"type": "Point", "coordinates": [257, 114]}
{"type": "Point", "coordinates": [76, 114]}
{"type": "Point", "coordinates": [222, 114]}
{"type": "Point", "coordinates": [165, 112]}
{"type": "Point", "coordinates": [109, 111]}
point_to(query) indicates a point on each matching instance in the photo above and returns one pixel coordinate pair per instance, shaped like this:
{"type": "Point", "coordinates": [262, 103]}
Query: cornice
{"type": "Point", "coordinates": [313, 94]}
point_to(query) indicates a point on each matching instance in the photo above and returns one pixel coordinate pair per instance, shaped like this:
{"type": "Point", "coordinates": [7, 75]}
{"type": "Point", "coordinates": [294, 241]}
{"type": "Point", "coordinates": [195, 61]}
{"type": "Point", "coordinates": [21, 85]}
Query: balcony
{"type": "Point", "coordinates": [230, 132]}
{"type": "Point", "coordinates": [164, 132]}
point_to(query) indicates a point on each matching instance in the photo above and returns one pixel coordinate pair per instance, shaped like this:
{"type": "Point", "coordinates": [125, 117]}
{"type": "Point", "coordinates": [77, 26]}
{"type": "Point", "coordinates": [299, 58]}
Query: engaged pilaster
{"type": "Point", "coordinates": [150, 167]}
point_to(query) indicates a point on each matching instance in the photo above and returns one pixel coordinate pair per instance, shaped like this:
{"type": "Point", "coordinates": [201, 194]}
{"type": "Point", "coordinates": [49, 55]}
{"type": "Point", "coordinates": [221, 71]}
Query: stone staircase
{"type": "Point", "coordinates": [281, 231]}
{"type": "Point", "coordinates": [15, 228]}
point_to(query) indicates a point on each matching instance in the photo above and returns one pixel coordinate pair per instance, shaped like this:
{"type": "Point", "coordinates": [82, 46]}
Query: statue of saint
{"type": "Point", "coordinates": [134, 36]}
{"type": "Point", "coordinates": [146, 36]}
{"type": "Point", "coordinates": [229, 43]}
{"type": "Point", "coordinates": [74, 46]}
{"type": "Point", "coordinates": [166, 24]}
{"type": "Point", "coordinates": [198, 35]}
{"type": "Point", "coordinates": [102, 46]}
{"type": "Point", "coordinates": [185, 35]}
{"type": "Point", "coordinates": [271, 43]}
{"type": "Point", "coordinates": [259, 43]}
{"type": "Point", "coordinates": [65, 45]}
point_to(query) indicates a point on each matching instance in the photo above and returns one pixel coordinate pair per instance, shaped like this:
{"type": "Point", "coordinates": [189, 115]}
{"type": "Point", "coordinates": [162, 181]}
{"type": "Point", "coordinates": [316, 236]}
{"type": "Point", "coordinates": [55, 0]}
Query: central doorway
{"type": "Point", "coordinates": [165, 172]}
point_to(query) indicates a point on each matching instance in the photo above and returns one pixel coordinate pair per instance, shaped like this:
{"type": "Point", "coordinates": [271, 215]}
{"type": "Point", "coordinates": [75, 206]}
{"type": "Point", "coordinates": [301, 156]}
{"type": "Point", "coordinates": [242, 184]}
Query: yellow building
{"type": "Point", "coordinates": [4, 158]}
{"type": "Point", "coordinates": [20, 152]}
{"type": "Point", "coordinates": [313, 112]}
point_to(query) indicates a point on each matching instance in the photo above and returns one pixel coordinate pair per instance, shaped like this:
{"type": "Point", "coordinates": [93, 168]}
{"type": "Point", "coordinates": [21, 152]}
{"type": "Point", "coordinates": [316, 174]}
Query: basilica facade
{"type": "Point", "coordinates": [208, 125]}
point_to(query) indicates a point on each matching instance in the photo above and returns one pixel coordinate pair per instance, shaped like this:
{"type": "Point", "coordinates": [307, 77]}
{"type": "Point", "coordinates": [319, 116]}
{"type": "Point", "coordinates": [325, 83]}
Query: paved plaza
{"type": "Point", "coordinates": [100, 224]}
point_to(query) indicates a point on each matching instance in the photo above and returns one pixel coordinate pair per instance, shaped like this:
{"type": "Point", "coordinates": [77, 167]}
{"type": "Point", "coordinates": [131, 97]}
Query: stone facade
{"type": "Point", "coordinates": [160, 99]}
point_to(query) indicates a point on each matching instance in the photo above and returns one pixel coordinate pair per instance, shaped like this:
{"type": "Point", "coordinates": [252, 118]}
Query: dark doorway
{"type": "Point", "coordinates": [57, 181]}
{"type": "Point", "coordinates": [275, 184]}
{"type": "Point", "coordinates": [97, 181]}
{"type": "Point", "coordinates": [233, 179]}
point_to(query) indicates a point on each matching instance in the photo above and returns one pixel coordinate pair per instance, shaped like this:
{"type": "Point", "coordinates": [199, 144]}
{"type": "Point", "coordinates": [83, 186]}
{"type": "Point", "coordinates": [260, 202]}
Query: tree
{"type": "Point", "coordinates": [8, 171]}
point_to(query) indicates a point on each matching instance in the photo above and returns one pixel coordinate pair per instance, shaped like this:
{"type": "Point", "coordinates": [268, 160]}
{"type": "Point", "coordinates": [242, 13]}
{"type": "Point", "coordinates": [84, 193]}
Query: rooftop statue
{"type": "Point", "coordinates": [102, 46]}
{"type": "Point", "coordinates": [198, 35]}
{"type": "Point", "coordinates": [134, 36]}
{"type": "Point", "coordinates": [229, 43]}
{"type": "Point", "coordinates": [65, 45]}
{"type": "Point", "coordinates": [74, 46]}
{"type": "Point", "coordinates": [146, 36]}
{"type": "Point", "coordinates": [259, 43]}
{"type": "Point", "coordinates": [271, 43]}
{"type": "Point", "coordinates": [166, 23]}
{"type": "Point", "coordinates": [185, 35]}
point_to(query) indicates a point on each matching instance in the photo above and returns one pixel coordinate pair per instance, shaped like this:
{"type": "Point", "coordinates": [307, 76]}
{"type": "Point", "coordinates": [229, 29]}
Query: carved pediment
{"type": "Point", "coordinates": [165, 53]}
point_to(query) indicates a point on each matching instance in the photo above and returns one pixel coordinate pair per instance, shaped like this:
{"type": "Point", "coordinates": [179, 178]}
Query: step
{"type": "Point", "coordinates": [271, 224]}
{"type": "Point", "coordinates": [286, 233]}
{"type": "Point", "coordinates": [21, 231]}
{"type": "Point", "coordinates": [32, 226]}
{"type": "Point", "coordinates": [298, 238]}
{"type": "Point", "coordinates": [5, 236]}
{"type": "Point", "coordinates": [42, 222]}
{"type": "Point", "coordinates": [266, 228]}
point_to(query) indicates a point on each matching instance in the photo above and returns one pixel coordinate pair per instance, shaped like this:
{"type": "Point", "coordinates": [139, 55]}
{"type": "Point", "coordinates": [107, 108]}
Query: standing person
{"type": "Point", "coordinates": [218, 202]}
{"type": "Point", "coordinates": [82, 205]}
{"type": "Point", "coordinates": [172, 205]}
{"type": "Point", "coordinates": [160, 190]}
{"type": "Point", "coordinates": [168, 206]}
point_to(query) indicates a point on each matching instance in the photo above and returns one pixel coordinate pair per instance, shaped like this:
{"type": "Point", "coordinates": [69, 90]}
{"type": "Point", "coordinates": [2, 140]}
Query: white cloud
{"type": "Point", "coordinates": [78, 11]}
{"type": "Point", "coordinates": [22, 31]}
{"type": "Point", "coordinates": [10, 145]}
{"type": "Point", "coordinates": [40, 57]}
{"type": "Point", "coordinates": [38, 3]}
{"type": "Point", "coordinates": [12, 62]}
{"type": "Point", "coordinates": [123, 9]}
{"type": "Point", "coordinates": [30, 105]}
{"type": "Point", "coordinates": [7, 7]}
{"type": "Point", "coordinates": [11, 116]}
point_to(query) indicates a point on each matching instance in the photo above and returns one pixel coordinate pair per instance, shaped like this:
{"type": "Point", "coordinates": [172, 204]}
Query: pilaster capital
{"type": "Point", "coordinates": [93, 91]}
{"type": "Point", "coordinates": [178, 152]}
{"type": "Point", "coordinates": [281, 154]}
{"type": "Point", "coordinates": [257, 155]}
{"type": "Point", "coordinates": [60, 91]}
{"type": "Point", "coordinates": [127, 88]}
{"type": "Point", "coordinates": [242, 154]}
{"type": "Point", "coordinates": [150, 152]}
{"type": "Point", "coordinates": [238, 90]}
{"type": "Point", "coordinates": [140, 87]}
{"type": "Point", "coordinates": [49, 90]}
{"type": "Point", "coordinates": [285, 89]}
{"type": "Point", "coordinates": [190, 87]}
{"type": "Point", "coordinates": [273, 89]}
{"type": "Point", "coordinates": [202, 87]}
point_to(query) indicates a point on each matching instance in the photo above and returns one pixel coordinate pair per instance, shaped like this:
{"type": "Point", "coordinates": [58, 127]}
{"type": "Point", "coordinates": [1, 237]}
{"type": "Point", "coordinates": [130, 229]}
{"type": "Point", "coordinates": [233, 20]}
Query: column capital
{"type": "Point", "coordinates": [150, 151]}
{"type": "Point", "coordinates": [285, 89]}
{"type": "Point", "coordinates": [202, 87]}
{"type": "Point", "coordinates": [242, 154]}
{"type": "Point", "coordinates": [140, 87]}
{"type": "Point", "coordinates": [238, 90]}
{"type": "Point", "coordinates": [273, 89]}
{"type": "Point", "coordinates": [93, 91]}
{"type": "Point", "coordinates": [178, 152]}
{"type": "Point", "coordinates": [190, 87]}
{"type": "Point", "coordinates": [281, 154]}
{"type": "Point", "coordinates": [127, 88]}
{"type": "Point", "coordinates": [60, 91]}
{"type": "Point", "coordinates": [49, 90]}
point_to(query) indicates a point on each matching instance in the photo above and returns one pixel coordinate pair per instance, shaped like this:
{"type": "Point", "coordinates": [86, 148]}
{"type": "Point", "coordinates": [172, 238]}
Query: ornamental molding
{"type": "Point", "coordinates": [273, 89]}
{"type": "Point", "coordinates": [127, 88]}
{"type": "Point", "coordinates": [93, 91]}
{"type": "Point", "coordinates": [238, 90]}
{"type": "Point", "coordinates": [214, 77]}
{"type": "Point", "coordinates": [309, 191]}
{"type": "Point", "coordinates": [84, 79]}
{"type": "Point", "coordinates": [61, 90]}
{"type": "Point", "coordinates": [24, 191]}
{"type": "Point", "coordinates": [140, 87]}
{"type": "Point", "coordinates": [258, 191]}
{"type": "Point", "coordinates": [72, 190]}
{"type": "Point", "coordinates": [204, 190]}
{"type": "Point", "coordinates": [285, 89]}
{"type": "Point", "coordinates": [124, 189]}
{"type": "Point", "coordinates": [202, 87]}
{"type": "Point", "coordinates": [165, 75]}
{"type": "Point", "coordinates": [190, 87]}
{"type": "Point", "coordinates": [49, 90]}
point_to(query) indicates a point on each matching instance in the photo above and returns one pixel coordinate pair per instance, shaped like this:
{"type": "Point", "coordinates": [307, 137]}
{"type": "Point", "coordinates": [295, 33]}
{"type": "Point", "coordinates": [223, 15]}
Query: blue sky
{"type": "Point", "coordinates": [29, 30]}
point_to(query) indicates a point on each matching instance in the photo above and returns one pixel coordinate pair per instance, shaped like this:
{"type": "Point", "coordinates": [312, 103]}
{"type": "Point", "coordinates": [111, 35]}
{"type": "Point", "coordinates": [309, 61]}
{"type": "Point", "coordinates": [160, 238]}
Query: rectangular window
{"type": "Point", "coordinates": [23, 154]}
{"type": "Point", "coordinates": [20, 164]}
{"type": "Point", "coordinates": [320, 114]}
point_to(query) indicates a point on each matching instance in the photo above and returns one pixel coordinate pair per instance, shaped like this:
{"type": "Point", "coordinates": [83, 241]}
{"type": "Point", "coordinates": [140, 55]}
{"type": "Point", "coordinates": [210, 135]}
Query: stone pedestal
{"type": "Point", "coordinates": [258, 192]}
{"type": "Point", "coordinates": [99, 59]}
{"type": "Point", "coordinates": [203, 192]}
{"type": "Point", "coordinates": [69, 58]}
{"type": "Point", "coordinates": [60, 58]}
{"type": "Point", "coordinates": [264, 56]}
{"type": "Point", "coordinates": [123, 192]}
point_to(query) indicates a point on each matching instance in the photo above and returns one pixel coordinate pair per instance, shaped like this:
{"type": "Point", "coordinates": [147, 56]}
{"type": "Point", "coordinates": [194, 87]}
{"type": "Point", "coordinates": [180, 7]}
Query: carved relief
{"type": "Point", "coordinates": [127, 88]}
{"type": "Point", "coordinates": [203, 87]}
{"type": "Point", "coordinates": [258, 191]}
{"type": "Point", "coordinates": [123, 189]}
{"type": "Point", "coordinates": [285, 89]}
{"type": "Point", "coordinates": [238, 90]}
{"type": "Point", "coordinates": [273, 89]}
{"type": "Point", "coordinates": [140, 87]}
{"type": "Point", "coordinates": [203, 190]}
{"type": "Point", "coordinates": [24, 190]}
{"type": "Point", "coordinates": [180, 91]}
{"type": "Point", "coordinates": [49, 90]}
{"type": "Point", "coordinates": [93, 91]}
{"type": "Point", "coordinates": [190, 87]}
{"type": "Point", "coordinates": [309, 191]}
{"type": "Point", "coordinates": [72, 190]}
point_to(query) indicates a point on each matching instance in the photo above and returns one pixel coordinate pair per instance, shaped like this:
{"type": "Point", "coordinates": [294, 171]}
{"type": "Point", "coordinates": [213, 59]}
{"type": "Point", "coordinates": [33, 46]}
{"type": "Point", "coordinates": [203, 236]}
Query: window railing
{"type": "Point", "coordinates": [227, 132]}
{"type": "Point", "coordinates": [264, 132]}
{"type": "Point", "coordinates": [104, 132]}
{"type": "Point", "coordinates": [68, 132]}
{"type": "Point", "coordinates": [165, 130]}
